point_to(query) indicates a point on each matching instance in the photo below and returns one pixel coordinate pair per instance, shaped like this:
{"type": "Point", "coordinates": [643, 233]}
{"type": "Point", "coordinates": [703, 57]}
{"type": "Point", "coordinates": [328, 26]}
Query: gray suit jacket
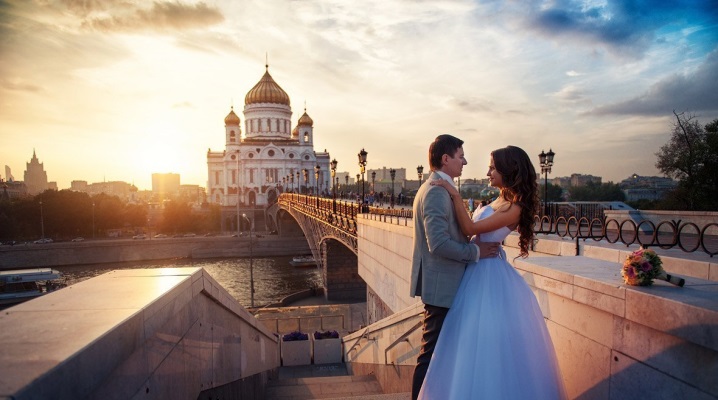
{"type": "Point", "coordinates": [441, 251]}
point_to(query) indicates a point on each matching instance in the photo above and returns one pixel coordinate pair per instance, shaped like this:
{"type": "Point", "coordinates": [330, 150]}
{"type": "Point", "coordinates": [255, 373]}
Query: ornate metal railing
{"type": "Point", "coordinates": [687, 236]}
{"type": "Point", "coordinates": [339, 213]}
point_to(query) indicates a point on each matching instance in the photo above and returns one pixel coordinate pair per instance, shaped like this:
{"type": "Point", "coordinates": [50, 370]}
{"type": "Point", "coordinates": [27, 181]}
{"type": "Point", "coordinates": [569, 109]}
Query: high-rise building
{"type": "Point", "coordinates": [8, 174]}
{"type": "Point", "coordinates": [166, 185]}
{"type": "Point", "coordinates": [35, 176]}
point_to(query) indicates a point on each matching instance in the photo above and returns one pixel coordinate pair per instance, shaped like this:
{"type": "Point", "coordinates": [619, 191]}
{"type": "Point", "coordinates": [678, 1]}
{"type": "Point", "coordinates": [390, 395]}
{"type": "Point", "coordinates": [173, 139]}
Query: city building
{"type": "Point", "coordinates": [192, 193]}
{"type": "Point", "coordinates": [256, 164]}
{"type": "Point", "coordinates": [638, 187]}
{"type": "Point", "coordinates": [166, 186]}
{"type": "Point", "coordinates": [8, 174]}
{"type": "Point", "coordinates": [574, 180]}
{"type": "Point", "coordinates": [582, 180]}
{"type": "Point", "coordinates": [12, 190]}
{"type": "Point", "coordinates": [125, 191]}
{"type": "Point", "coordinates": [35, 177]}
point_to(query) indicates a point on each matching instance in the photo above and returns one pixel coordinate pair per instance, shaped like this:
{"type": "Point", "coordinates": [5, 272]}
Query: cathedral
{"type": "Point", "coordinates": [267, 159]}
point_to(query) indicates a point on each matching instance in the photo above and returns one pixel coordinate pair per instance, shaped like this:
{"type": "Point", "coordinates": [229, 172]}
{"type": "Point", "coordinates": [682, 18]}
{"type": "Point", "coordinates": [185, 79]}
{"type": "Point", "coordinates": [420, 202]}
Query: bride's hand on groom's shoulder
{"type": "Point", "coordinates": [446, 185]}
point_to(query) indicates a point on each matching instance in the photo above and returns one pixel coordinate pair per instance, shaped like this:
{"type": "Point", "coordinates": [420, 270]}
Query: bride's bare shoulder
{"type": "Point", "coordinates": [501, 205]}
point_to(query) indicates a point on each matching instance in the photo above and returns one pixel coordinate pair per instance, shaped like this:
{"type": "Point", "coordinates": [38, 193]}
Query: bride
{"type": "Point", "coordinates": [494, 343]}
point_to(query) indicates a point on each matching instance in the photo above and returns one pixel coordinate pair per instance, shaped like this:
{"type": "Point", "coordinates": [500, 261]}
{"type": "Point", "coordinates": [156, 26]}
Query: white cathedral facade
{"type": "Point", "coordinates": [268, 157]}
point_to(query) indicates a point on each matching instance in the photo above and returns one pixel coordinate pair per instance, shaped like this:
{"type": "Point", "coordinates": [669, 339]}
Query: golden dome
{"type": "Point", "coordinates": [266, 91]}
{"type": "Point", "coordinates": [231, 118]}
{"type": "Point", "coordinates": [305, 120]}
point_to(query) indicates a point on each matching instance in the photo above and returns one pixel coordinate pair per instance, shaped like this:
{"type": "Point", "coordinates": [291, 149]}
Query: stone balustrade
{"type": "Point", "coordinates": [170, 333]}
{"type": "Point", "coordinates": [613, 341]}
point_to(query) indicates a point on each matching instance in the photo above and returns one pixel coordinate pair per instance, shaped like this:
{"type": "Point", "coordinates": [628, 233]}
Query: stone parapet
{"type": "Point", "coordinates": [613, 341]}
{"type": "Point", "coordinates": [147, 333]}
{"type": "Point", "coordinates": [124, 250]}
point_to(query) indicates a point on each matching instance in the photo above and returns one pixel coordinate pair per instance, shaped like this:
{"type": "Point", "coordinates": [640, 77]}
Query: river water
{"type": "Point", "coordinates": [274, 278]}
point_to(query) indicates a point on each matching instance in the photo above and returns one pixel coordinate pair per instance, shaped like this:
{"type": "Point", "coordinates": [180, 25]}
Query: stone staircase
{"type": "Point", "coordinates": [330, 381]}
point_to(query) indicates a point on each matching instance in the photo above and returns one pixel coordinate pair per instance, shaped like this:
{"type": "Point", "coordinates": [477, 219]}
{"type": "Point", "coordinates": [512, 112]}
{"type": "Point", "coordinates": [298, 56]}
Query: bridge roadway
{"type": "Point", "coordinates": [176, 333]}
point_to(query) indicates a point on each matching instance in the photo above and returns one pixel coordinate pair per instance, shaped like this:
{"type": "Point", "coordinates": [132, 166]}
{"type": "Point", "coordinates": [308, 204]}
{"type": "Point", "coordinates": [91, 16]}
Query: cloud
{"type": "Point", "coordinates": [684, 92]}
{"type": "Point", "coordinates": [161, 17]}
{"type": "Point", "coordinates": [471, 104]}
{"type": "Point", "coordinates": [571, 94]}
{"type": "Point", "coordinates": [627, 28]}
{"type": "Point", "coordinates": [18, 85]}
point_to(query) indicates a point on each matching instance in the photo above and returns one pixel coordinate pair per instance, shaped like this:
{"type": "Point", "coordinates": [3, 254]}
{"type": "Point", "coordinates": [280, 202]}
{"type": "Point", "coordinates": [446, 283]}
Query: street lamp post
{"type": "Point", "coordinates": [420, 172]}
{"type": "Point", "coordinates": [42, 223]}
{"type": "Point", "coordinates": [299, 184]}
{"type": "Point", "coordinates": [333, 166]}
{"type": "Point", "coordinates": [546, 162]}
{"type": "Point", "coordinates": [362, 165]}
{"type": "Point", "coordinates": [317, 168]}
{"type": "Point", "coordinates": [357, 185]}
{"type": "Point", "coordinates": [306, 179]}
{"type": "Point", "coordinates": [93, 219]}
{"type": "Point", "coordinates": [251, 259]}
{"type": "Point", "coordinates": [373, 178]}
{"type": "Point", "coordinates": [392, 173]}
{"type": "Point", "coordinates": [346, 184]}
{"type": "Point", "coordinates": [237, 178]}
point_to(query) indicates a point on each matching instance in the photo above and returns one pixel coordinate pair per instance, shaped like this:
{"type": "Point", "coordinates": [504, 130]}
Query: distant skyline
{"type": "Point", "coordinates": [117, 90]}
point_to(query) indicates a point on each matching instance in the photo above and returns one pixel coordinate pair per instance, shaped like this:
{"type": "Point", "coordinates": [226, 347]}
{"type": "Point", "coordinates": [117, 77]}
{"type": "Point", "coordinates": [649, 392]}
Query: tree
{"type": "Point", "coordinates": [691, 157]}
{"type": "Point", "coordinates": [593, 191]}
{"type": "Point", "coordinates": [555, 192]}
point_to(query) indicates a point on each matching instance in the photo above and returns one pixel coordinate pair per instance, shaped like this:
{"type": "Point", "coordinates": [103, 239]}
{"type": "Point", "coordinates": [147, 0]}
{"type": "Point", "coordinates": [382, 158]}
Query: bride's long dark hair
{"type": "Point", "coordinates": [519, 187]}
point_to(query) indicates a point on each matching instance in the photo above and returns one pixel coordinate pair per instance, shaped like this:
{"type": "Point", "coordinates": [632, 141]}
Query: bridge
{"type": "Point", "coordinates": [176, 333]}
{"type": "Point", "coordinates": [330, 227]}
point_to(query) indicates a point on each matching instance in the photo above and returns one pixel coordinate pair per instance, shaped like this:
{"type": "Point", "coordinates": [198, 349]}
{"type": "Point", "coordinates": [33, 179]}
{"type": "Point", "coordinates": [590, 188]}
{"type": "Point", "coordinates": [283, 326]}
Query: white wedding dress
{"type": "Point", "coordinates": [494, 343]}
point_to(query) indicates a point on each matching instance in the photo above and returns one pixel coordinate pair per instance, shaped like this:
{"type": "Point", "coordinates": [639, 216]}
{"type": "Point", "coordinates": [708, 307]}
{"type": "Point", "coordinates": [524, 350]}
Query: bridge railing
{"type": "Point", "coordinates": [339, 213]}
{"type": "Point", "coordinates": [688, 236]}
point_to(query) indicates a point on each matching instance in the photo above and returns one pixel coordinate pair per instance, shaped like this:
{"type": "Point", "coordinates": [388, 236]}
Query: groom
{"type": "Point", "coordinates": [441, 251]}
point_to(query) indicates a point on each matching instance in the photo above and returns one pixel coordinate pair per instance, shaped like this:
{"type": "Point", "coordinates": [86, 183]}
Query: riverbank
{"type": "Point", "coordinates": [124, 250]}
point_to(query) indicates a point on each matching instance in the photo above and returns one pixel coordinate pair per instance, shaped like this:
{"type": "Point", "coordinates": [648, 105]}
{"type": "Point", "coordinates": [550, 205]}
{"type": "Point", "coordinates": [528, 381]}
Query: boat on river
{"type": "Point", "coordinates": [303, 261]}
{"type": "Point", "coordinates": [21, 285]}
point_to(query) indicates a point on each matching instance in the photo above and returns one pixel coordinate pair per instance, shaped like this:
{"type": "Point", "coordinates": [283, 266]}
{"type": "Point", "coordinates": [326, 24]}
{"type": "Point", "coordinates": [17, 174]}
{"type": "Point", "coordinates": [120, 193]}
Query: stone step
{"type": "Point", "coordinates": [328, 387]}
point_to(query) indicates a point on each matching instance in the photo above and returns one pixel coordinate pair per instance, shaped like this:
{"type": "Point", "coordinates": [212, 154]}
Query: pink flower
{"type": "Point", "coordinates": [646, 266]}
{"type": "Point", "coordinates": [630, 272]}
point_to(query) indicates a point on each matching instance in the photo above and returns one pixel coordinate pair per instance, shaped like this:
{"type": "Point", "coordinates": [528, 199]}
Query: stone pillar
{"type": "Point", "coordinates": [341, 271]}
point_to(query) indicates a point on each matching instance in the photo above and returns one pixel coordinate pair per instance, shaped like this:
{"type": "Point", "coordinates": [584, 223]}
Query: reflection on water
{"type": "Point", "coordinates": [274, 278]}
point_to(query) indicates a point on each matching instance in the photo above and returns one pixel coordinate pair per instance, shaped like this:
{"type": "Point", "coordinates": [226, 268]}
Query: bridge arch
{"type": "Point", "coordinates": [331, 237]}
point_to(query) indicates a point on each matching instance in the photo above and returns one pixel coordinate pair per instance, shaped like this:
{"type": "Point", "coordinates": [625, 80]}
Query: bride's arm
{"type": "Point", "coordinates": [497, 220]}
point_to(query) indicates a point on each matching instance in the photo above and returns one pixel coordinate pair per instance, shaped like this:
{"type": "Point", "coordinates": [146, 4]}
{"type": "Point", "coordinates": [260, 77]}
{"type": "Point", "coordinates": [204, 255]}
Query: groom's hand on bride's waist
{"type": "Point", "coordinates": [488, 249]}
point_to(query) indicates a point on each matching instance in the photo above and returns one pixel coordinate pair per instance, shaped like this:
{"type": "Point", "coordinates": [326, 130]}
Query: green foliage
{"type": "Point", "coordinates": [555, 192]}
{"type": "Point", "coordinates": [644, 204]}
{"type": "Point", "coordinates": [66, 214]}
{"type": "Point", "coordinates": [593, 191]}
{"type": "Point", "coordinates": [691, 156]}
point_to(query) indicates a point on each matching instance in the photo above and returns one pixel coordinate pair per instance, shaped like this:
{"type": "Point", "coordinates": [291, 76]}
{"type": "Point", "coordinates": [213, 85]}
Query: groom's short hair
{"type": "Point", "coordinates": [443, 144]}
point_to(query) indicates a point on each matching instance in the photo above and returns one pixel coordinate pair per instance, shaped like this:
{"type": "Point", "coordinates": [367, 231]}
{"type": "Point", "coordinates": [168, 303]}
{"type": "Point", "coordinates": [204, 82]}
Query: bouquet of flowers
{"type": "Point", "coordinates": [296, 335]}
{"type": "Point", "coordinates": [326, 335]}
{"type": "Point", "coordinates": [643, 266]}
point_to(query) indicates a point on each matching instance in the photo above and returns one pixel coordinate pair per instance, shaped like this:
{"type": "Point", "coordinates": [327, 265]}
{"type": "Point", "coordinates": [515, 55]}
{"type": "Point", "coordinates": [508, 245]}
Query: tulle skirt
{"type": "Point", "coordinates": [494, 343]}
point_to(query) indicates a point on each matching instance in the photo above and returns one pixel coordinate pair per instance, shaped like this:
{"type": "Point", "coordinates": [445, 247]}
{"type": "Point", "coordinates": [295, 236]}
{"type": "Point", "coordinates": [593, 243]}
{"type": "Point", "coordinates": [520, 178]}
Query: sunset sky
{"type": "Point", "coordinates": [119, 89]}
